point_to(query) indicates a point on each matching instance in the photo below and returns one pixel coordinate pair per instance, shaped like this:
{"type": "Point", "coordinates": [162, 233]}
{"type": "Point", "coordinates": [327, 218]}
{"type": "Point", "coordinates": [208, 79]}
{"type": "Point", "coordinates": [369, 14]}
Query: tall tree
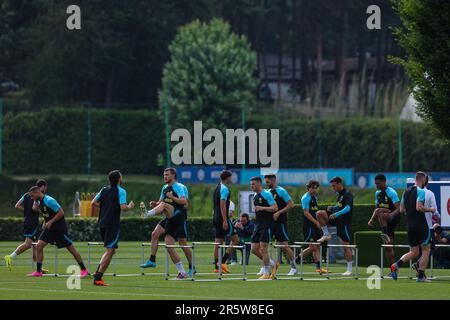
{"type": "Point", "coordinates": [426, 39]}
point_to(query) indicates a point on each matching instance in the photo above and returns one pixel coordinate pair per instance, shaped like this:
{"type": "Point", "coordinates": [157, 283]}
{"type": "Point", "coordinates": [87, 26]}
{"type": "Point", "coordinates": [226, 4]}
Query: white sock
{"type": "Point", "coordinates": [272, 263]}
{"type": "Point", "coordinates": [325, 231]}
{"type": "Point", "coordinates": [350, 266]}
{"type": "Point", "coordinates": [13, 255]}
{"type": "Point", "coordinates": [151, 213]}
{"type": "Point", "coordinates": [266, 270]}
{"type": "Point", "coordinates": [180, 268]}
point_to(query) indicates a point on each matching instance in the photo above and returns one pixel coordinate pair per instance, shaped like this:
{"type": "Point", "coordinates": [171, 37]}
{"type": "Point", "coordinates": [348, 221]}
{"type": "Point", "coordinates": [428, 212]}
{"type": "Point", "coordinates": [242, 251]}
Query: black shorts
{"type": "Point", "coordinates": [219, 233]}
{"type": "Point", "coordinates": [262, 234]}
{"type": "Point", "coordinates": [163, 223]}
{"type": "Point", "coordinates": [280, 232]}
{"type": "Point", "coordinates": [58, 237]}
{"type": "Point", "coordinates": [392, 225]}
{"type": "Point", "coordinates": [419, 236]}
{"type": "Point", "coordinates": [176, 227]}
{"type": "Point", "coordinates": [311, 233]}
{"type": "Point", "coordinates": [343, 231]}
{"type": "Point", "coordinates": [30, 232]}
{"type": "Point", "coordinates": [110, 237]}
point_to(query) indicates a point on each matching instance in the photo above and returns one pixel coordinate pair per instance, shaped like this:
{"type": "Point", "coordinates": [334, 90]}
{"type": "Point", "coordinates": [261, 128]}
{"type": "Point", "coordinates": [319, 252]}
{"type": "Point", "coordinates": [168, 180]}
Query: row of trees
{"type": "Point", "coordinates": [118, 56]}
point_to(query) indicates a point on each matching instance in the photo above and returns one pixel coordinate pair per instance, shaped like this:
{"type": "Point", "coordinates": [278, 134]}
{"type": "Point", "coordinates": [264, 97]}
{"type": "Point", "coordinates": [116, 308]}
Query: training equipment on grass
{"type": "Point", "coordinates": [220, 275]}
{"type": "Point", "coordinates": [354, 255]}
{"type": "Point", "coordinates": [432, 276]}
{"type": "Point", "coordinates": [55, 262]}
{"type": "Point", "coordinates": [384, 246]}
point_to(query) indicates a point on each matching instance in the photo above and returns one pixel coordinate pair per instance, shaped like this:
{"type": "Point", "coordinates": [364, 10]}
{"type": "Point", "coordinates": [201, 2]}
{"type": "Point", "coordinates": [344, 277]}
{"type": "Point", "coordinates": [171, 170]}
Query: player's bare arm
{"type": "Point", "coordinates": [286, 209]}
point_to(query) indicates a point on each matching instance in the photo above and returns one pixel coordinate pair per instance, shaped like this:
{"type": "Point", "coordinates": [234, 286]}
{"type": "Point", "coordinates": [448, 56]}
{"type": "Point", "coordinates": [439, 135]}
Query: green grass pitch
{"type": "Point", "coordinates": [16, 285]}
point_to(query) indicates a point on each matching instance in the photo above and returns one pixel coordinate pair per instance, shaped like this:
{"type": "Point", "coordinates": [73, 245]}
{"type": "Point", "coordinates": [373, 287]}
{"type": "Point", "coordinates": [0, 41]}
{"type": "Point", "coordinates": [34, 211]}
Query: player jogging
{"type": "Point", "coordinates": [160, 230]}
{"type": "Point", "coordinates": [341, 217]}
{"type": "Point", "coordinates": [265, 207]}
{"type": "Point", "coordinates": [111, 200]}
{"type": "Point", "coordinates": [30, 225]}
{"type": "Point", "coordinates": [387, 212]}
{"type": "Point", "coordinates": [311, 226]}
{"type": "Point", "coordinates": [222, 223]}
{"type": "Point", "coordinates": [280, 231]}
{"type": "Point", "coordinates": [55, 230]}
{"type": "Point", "coordinates": [430, 202]}
{"type": "Point", "coordinates": [419, 235]}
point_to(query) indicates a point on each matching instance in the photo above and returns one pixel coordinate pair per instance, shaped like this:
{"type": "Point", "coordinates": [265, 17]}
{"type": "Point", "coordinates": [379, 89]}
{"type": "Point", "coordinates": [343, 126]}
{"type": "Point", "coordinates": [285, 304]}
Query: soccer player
{"type": "Point", "coordinates": [280, 231]}
{"type": "Point", "coordinates": [172, 203]}
{"type": "Point", "coordinates": [430, 202]}
{"type": "Point", "coordinates": [160, 230]}
{"type": "Point", "coordinates": [111, 200]}
{"type": "Point", "coordinates": [265, 207]}
{"type": "Point", "coordinates": [311, 226]}
{"type": "Point", "coordinates": [387, 212]}
{"type": "Point", "coordinates": [419, 234]}
{"type": "Point", "coordinates": [221, 220]}
{"type": "Point", "coordinates": [341, 217]}
{"type": "Point", "coordinates": [30, 225]}
{"type": "Point", "coordinates": [55, 230]}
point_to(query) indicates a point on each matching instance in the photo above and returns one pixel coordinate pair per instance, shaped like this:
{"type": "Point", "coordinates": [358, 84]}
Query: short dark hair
{"type": "Point", "coordinates": [34, 188]}
{"type": "Point", "coordinates": [312, 183]}
{"type": "Point", "coordinates": [380, 177]}
{"type": "Point", "coordinates": [245, 215]}
{"type": "Point", "coordinates": [172, 171]}
{"type": "Point", "coordinates": [41, 182]}
{"type": "Point", "coordinates": [225, 174]}
{"type": "Point", "coordinates": [420, 174]}
{"type": "Point", "coordinates": [336, 180]}
{"type": "Point", "coordinates": [270, 176]}
{"type": "Point", "coordinates": [256, 178]}
{"type": "Point", "coordinates": [114, 177]}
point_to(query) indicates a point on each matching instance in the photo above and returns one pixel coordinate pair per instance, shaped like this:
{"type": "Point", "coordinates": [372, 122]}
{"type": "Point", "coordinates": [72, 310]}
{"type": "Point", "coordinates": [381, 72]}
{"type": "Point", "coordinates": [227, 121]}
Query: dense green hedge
{"type": "Point", "coordinates": [369, 243]}
{"type": "Point", "coordinates": [55, 141]}
{"type": "Point", "coordinates": [366, 144]}
{"type": "Point", "coordinates": [199, 229]}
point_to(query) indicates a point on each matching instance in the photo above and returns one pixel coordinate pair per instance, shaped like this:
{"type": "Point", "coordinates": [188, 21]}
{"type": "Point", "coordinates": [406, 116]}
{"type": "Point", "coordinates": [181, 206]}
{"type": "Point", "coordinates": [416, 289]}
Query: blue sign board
{"type": "Point", "coordinates": [395, 179]}
{"type": "Point", "coordinates": [203, 174]}
{"type": "Point", "coordinates": [300, 177]}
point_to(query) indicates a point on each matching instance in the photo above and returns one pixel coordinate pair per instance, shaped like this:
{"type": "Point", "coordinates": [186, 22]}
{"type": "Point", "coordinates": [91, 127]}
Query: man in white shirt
{"type": "Point", "coordinates": [430, 202]}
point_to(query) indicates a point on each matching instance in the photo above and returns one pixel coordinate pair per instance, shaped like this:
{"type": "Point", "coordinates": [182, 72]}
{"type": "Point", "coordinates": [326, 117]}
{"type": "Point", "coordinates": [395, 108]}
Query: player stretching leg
{"type": "Point", "coordinates": [340, 216]}
{"type": "Point", "coordinates": [30, 225]}
{"type": "Point", "coordinates": [173, 200]}
{"type": "Point", "coordinates": [55, 230]}
{"type": "Point", "coordinates": [284, 203]}
{"type": "Point", "coordinates": [111, 200]}
{"type": "Point", "coordinates": [161, 229]}
{"type": "Point", "coordinates": [387, 212]}
{"type": "Point", "coordinates": [419, 235]}
{"type": "Point", "coordinates": [311, 226]}
{"type": "Point", "coordinates": [265, 207]}
{"type": "Point", "coordinates": [221, 221]}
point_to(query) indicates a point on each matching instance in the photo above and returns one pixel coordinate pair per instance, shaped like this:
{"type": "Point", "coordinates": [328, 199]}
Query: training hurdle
{"type": "Point", "coordinates": [55, 273]}
{"type": "Point", "coordinates": [143, 273]}
{"type": "Point", "coordinates": [220, 275]}
{"type": "Point", "coordinates": [384, 246]}
{"type": "Point", "coordinates": [355, 258]}
{"type": "Point", "coordinates": [89, 260]}
{"type": "Point", "coordinates": [302, 245]}
{"type": "Point", "coordinates": [279, 249]}
{"type": "Point", "coordinates": [432, 262]}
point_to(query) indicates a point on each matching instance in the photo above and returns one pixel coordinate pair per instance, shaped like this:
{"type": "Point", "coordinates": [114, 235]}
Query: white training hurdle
{"type": "Point", "coordinates": [432, 276]}
{"type": "Point", "coordinates": [382, 248]}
